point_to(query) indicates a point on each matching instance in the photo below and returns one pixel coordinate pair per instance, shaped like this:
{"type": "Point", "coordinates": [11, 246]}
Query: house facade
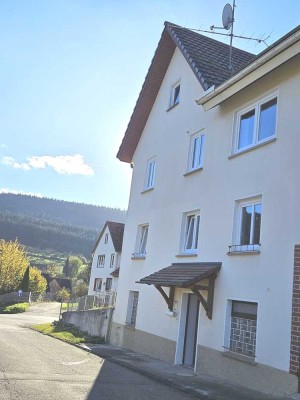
{"type": "Point", "coordinates": [106, 259]}
{"type": "Point", "coordinates": [210, 266]}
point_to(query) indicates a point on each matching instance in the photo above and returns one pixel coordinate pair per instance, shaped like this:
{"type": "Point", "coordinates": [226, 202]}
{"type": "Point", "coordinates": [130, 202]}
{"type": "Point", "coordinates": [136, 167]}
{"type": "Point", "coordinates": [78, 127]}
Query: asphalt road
{"type": "Point", "coordinates": [34, 366]}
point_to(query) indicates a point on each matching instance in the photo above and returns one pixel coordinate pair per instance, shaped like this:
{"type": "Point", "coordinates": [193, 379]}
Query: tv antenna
{"type": "Point", "coordinates": [228, 24]}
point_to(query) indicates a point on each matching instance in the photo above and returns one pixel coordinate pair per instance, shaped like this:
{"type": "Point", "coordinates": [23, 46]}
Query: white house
{"type": "Point", "coordinates": [211, 244]}
{"type": "Point", "coordinates": [106, 259]}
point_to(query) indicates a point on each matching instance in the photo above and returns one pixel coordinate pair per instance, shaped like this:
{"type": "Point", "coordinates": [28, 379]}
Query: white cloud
{"type": "Point", "coordinates": [71, 165]}
{"type": "Point", "coordinates": [6, 190]}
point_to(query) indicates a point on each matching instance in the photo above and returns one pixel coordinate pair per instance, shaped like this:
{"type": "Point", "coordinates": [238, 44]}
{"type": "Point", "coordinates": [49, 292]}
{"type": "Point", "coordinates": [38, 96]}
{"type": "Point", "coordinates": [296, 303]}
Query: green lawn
{"type": "Point", "coordinates": [67, 333]}
{"type": "Point", "coordinates": [14, 308]}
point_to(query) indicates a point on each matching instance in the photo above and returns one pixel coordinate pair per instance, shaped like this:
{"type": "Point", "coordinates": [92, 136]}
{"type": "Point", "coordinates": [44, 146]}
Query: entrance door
{"type": "Point", "coordinates": [191, 325]}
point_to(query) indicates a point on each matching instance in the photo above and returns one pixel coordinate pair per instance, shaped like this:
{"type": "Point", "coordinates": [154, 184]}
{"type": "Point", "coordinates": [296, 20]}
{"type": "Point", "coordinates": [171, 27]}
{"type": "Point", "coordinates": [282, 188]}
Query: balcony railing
{"type": "Point", "coordinates": [244, 248]}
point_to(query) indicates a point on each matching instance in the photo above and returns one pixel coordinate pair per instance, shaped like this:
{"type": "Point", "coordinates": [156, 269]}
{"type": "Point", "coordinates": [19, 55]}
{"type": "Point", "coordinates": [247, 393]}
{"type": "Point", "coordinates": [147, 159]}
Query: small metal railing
{"type": "Point", "coordinates": [91, 302]}
{"type": "Point", "coordinates": [244, 248]}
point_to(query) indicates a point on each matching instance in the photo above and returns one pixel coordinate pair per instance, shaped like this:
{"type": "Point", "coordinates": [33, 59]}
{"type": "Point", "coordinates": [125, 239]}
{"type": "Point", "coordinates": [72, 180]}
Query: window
{"type": "Point", "coordinates": [142, 237]}
{"type": "Point", "coordinates": [196, 151]}
{"type": "Point", "coordinates": [256, 124]}
{"type": "Point", "coordinates": [150, 174]}
{"type": "Point", "coordinates": [247, 236]}
{"type": "Point", "coordinates": [132, 307]}
{"type": "Point", "coordinates": [191, 232]}
{"type": "Point", "coordinates": [108, 284]}
{"type": "Point", "coordinates": [243, 328]}
{"type": "Point", "coordinates": [101, 261]}
{"type": "Point", "coordinates": [106, 238]}
{"type": "Point", "coordinates": [112, 260]}
{"type": "Point", "coordinates": [175, 94]}
{"type": "Point", "coordinates": [97, 284]}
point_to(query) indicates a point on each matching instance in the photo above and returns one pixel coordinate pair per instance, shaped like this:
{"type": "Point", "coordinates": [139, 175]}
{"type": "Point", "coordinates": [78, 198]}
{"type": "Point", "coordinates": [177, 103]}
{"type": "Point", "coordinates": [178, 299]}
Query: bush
{"type": "Point", "coordinates": [14, 308]}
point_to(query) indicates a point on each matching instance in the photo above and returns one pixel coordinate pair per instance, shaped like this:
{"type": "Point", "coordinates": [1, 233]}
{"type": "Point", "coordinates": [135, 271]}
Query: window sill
{"type": "Point", "coordinates": [186, 255]}
{"type": "Point", "coordinates": [243, 253]}
{"type": "Point", "coordinates": [193, 171]}
{"type": "Point", "coordinates": [239, 357]}
{"type": "Point", "coordinates": [138, 257]}
{"type": "Point", "coordinates": [129, 326]}
{"type": "Point", "coordinates": [147, 190]}
{"type": "Point", "coordinates": [171, 107]}
{"type": "Point", "coordinates": [252, 148]}
{"type": "Point", "coordinates": [100, 266]}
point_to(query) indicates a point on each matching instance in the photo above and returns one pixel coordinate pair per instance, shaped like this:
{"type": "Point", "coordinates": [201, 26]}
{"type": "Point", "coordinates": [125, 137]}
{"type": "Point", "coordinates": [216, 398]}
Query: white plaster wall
{"type": "Point", "coordinates": [270, 171]}
{"type": "Point", "coordinates": [104, 271]}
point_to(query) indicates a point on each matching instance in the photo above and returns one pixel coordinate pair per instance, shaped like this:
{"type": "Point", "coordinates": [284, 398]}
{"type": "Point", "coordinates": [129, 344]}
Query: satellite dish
{"type": "Point", "coordinates": [227, 16]}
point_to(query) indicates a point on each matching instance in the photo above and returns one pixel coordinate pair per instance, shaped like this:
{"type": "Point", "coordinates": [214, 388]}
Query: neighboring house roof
{"type": "Point", "coordinates": [208, 59]}
{"type": "Point", "coordinates": [115, 273]}
{"type": "Point", "coordinates": [182, 274]}
{"type": "Point", "coordinates": [116, 230]}
{"type": "Point", "coordinates": [63, 282]}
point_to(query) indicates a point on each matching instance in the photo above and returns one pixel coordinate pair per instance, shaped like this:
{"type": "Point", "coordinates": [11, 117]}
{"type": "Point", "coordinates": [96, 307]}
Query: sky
{"type": "Point", "coordinates": [71, 72]}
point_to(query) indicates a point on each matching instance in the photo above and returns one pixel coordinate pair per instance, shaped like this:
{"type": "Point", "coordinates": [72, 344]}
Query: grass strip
{"type": "Point", "coordinates": [67, 333]}
{"type": "Point", "coordinates": [14, 308]}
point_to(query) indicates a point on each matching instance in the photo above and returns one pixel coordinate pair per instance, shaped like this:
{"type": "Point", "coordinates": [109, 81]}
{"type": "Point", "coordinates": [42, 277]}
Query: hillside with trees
{"type": "Point", "coordinates": [40, 223]}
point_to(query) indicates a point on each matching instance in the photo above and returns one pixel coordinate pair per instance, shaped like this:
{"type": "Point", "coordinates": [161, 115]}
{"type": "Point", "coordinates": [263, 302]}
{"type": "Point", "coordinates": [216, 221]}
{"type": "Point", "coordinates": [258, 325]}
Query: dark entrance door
{"type": "Point", "coordinates": [191, 325]}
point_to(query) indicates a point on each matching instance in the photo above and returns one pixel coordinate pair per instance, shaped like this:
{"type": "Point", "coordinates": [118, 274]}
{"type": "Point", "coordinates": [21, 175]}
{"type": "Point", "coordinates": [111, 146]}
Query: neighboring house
{"type": "Point", "coordinates": [106, 259]}
{"type": "Point", "coordinates": [55, 284]}
{"type": "Point", "coordinates": [207, 271]}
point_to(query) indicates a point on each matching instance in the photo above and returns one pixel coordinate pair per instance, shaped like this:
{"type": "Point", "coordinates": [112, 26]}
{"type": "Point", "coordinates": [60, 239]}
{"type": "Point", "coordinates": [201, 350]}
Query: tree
{"type": "Point", "coordinates": [37, 283]}
{"type": "Point", "coordinates": [75, 263]}
{"type": "Point", "coordinates": [62, 294]}
{"type": "Point", "coordinates": [25, 281]}
{"type": "Point", "coordinates": [85, 273]}
{"type": "Point", "coordinates": [54, 271]}
{"type": "Point", "coordinates": [13, 264]}
{"type": "Point", "coordinates": [80, 288]}
{"type": "Point", "coordinates": [66, 268]}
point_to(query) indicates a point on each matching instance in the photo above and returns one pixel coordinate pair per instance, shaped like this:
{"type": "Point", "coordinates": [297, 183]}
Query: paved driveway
{"type": "Point", "coordinates": [34, 366]}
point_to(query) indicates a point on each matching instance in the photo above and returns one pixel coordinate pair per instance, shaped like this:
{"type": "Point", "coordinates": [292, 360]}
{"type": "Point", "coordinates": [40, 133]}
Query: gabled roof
{"type": "Point", "coordinates": [207, 58]}
{"type": "Point", "coordinates": [182, 275]}
{"type": "Point", "coordinates": [116, 230]}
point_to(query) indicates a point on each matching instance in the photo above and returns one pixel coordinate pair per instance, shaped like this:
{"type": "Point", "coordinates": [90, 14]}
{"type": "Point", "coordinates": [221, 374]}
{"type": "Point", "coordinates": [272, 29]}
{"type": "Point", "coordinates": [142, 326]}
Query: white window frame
{"type": "Point", "coordinates": [150, 174]}
{"type": "Point", "coordinates": [174, 101]}
{"type": "Point", "coordinates": [141, 241]}
{"type": "Point", "coordinates": [256, 107]}
{"type": "Point", "coordinates": [237, 232]}
{"type": "Point", "coordinates": [112, 260]}
{"type": "Point", "coordinates": [101, 261]}
{"type": "Point", "coordinates": [95, 289]}
{"type": "Point", "coordinates": [133, 300]}
{"type": "Point", "coordinates": [200, 154]}
{"type": "Point", "coordinates": [186, 231]}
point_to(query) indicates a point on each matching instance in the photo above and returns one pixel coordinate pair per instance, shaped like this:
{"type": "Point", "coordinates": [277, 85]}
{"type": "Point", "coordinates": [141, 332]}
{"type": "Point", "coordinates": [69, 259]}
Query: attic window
{"type": "Point", "coordinates": [175, 94]}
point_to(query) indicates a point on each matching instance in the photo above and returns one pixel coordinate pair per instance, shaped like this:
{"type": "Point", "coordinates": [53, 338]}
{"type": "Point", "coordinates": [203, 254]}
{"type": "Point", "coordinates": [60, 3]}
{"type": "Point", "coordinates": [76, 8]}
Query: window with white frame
{"type": "Point", "coordinates": [191, 232]}
{"type": "Point", "coordinates": [243, 325]}
{"type": "Point", "coordinates": [112, 260]}
{"type": "Point", "coordinates": [132, 307]}
{"type": "Point", "coordinates": [108, 284]}
{"type": "Point", "coordinates": [196, 152]}
{"type": "Point", "coordinates": [256, 124]}
{"type": "Point", "coordinates": [141, 243]}
{"type": "Point", "coordinates": [175, 94]}
{"type": "Point", "coordinates": [97, 284]}
{"type": "Point", "coordinates": [247, 226]}
{"type": "Point", "coordinates": [101, 261]}
{"type": "Point", "coordinates": [150, 174]}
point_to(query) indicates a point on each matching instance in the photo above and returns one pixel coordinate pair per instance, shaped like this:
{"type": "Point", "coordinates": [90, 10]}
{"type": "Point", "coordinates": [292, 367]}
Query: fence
{"type": "Point", "coordinates": [84, 303]}
{"type": "Point", "coordinates": [15, 297]}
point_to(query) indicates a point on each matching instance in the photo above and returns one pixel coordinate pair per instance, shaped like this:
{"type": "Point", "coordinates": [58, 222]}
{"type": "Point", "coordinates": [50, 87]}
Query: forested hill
{"type": "Point", "coordinates": [53, 224]}
{"type": "Point", "coordinates": [64, 212]}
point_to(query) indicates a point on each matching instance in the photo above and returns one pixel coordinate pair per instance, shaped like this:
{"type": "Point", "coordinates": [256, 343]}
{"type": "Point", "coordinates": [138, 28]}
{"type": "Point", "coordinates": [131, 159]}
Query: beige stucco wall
{"type": "Point", "coordinates": [270, 171]}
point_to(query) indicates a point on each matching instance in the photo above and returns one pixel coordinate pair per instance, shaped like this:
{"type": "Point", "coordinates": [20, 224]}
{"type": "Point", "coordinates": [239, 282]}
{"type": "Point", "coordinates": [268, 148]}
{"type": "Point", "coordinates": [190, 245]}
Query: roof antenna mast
{"type": "Point", "coordinates": [228, 22]}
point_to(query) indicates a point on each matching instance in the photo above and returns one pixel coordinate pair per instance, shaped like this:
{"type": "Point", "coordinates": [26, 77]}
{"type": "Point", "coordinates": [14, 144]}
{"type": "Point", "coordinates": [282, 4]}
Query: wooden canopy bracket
{"type": "Point", "coordinates": [169, 299]}
{"type": "Point", "coordinates": [207, 304]}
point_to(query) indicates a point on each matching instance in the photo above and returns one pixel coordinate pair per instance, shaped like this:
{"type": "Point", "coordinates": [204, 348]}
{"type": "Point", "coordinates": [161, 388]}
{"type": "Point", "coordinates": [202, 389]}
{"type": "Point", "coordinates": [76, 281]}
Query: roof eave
{"type": "Point", "coordinates": [261, 66]}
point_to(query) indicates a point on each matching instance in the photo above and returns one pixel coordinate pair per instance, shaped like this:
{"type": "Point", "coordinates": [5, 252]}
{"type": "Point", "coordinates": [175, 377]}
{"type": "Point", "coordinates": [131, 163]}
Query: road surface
{"type": "Point", "coordinates": [38, 367]}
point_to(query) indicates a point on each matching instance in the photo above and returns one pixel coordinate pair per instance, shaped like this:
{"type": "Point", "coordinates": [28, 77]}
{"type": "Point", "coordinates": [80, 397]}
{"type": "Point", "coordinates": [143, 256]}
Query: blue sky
{"type": "Point", "coordinates": [71, 72]}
